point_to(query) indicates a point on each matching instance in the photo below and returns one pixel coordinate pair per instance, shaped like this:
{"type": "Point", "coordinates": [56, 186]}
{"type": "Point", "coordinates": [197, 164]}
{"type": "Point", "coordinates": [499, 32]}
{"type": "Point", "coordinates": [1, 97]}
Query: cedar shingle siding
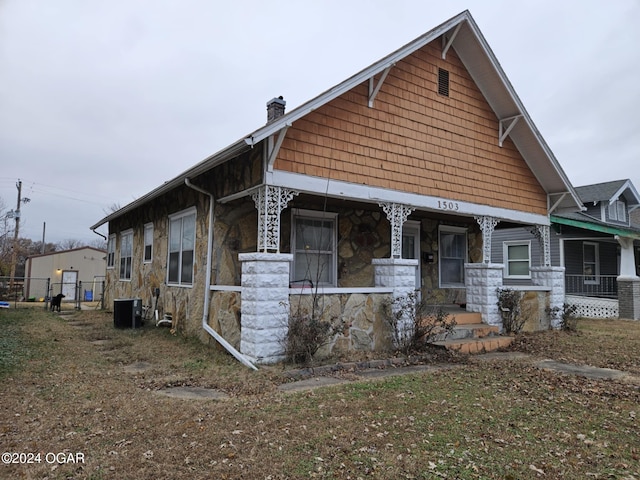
{"type": "Point", "coordinates": [415, 140]}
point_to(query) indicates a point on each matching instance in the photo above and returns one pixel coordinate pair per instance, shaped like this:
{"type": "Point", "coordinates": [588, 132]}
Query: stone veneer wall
{"type": "Point", "coordinates": [553, 278]}
{"type": "Point", "coordinates": [363, 235]}
{"type": "Point", "coordinates": [360, 319]}
{"type": "Point", "coordinates": [184, 303]}
{"type": "Point", "coordinates": [629, 298]}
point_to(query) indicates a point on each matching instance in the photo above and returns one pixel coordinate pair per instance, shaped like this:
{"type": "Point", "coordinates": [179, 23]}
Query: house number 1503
{"type": "Point", "coordinates": [445, 205]}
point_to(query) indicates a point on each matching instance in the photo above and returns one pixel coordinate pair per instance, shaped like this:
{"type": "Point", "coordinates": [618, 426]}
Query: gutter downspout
{"type": "Point", "coordinates": [207, 287]}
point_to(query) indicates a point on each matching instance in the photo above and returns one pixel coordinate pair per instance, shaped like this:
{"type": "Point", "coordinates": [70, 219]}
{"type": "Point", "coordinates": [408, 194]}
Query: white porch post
{"type": "Point", "coordinates": [397, 214]}
{"type": "Point", "coordinates": [542, 233]}
{"type": "Point", "coordinates": [265, 281]}
{"type": "Point", "coordinates": [396, 271]}
{"type": "Point", "coordinates": [270, 201]}
{"type": "Point", "coordinates": [628, 281]}
{"type": "Point", "coordinates": [487, 225]}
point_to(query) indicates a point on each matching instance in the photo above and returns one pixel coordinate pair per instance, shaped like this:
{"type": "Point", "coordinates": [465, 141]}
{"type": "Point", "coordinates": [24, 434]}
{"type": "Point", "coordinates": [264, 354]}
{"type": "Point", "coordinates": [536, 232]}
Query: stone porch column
{"type": "Point", "coordinates": [399, 274]}
{"type": "Point", "coordinates": [482, 281]}
{"type": "Point", "coordinates": [552, 277]}
{"type": "Point", "coordinates": [629, 298]}
{"type": "Point", "coordinates": [265, 305]}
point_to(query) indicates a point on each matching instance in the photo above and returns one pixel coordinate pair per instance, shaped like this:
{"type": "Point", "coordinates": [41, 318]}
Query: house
{"type": "Point", "coordinates": [388, 183]}
{"type": "Point", "coordinates": [599, 247]}
{"type": "Point", "coordinates": [60, 272]}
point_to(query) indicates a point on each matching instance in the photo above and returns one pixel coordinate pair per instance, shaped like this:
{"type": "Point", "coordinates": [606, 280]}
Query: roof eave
{"type": "Point", "coordinates": [594, 227]}
{"type": "Point", "coordinates": [213, 160]}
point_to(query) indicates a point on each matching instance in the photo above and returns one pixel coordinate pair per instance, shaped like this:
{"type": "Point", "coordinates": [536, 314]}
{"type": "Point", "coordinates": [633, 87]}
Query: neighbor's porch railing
{"type": "Point", "coordinates": [602, 286]}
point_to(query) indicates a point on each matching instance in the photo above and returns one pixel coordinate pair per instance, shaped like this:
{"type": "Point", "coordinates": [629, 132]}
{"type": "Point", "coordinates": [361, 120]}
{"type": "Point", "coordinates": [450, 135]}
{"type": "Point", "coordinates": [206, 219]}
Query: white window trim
{"type": "Point", "coordinates": [126, 233]}
{"type": "Point", "coordinates": [302, 213]}
{"type": "Point", "coordinates": [505, 257]}
{"type": "Point", "coordinates": [147, 226]}
{"type": "Point", "coordinates": [617, 211]}
{"type": "Point", "coordinates": [597, 262]}
{"type": "Point", "coordinates": [111, 242]}
{"type": "Point", "coordinates": [451, 229]}
{"type": "Point", "coordinates": [173, 216]}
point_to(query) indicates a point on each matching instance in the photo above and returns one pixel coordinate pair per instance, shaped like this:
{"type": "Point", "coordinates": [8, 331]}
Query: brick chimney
{"type": "Point", "coordinates": [275, 108]}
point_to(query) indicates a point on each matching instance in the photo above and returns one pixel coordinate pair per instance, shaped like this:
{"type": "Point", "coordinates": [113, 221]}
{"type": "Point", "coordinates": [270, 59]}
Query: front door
{"type": "Point", "coordinates": [411, 247]}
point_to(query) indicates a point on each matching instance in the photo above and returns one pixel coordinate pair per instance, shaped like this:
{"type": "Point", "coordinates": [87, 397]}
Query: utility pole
{"type": "Point", "coordinates": [14, 254]}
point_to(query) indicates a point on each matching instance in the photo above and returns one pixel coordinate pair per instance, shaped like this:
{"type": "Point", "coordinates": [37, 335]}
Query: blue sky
{"type": "Point", "coordinates": [102, 101]}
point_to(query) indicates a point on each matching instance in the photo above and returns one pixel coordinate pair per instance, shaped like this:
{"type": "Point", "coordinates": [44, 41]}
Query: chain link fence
{"type": "Point", "coordinates": [81, 294]}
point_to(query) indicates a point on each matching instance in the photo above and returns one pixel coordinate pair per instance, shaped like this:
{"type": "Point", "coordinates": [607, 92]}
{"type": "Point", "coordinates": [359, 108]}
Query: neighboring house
{"type": "Point", "coordinates": [59, 272]}
{"type": "Point", "coordinates": [597, 246]}
{"type": "Point", "coordinates": [390, 182]}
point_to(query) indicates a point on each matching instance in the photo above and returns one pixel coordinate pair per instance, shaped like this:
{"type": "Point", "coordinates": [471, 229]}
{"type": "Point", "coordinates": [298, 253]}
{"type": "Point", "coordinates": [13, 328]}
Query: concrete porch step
{"type": "Point", "coordinates": [475, 345]}
{"type": "Point", "coordinates": [473, 330]}
{"type": "Point", "coordinates": [466, 318]}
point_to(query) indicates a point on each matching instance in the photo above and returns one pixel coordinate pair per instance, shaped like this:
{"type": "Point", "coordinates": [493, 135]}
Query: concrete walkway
{"type": "Point", "coordinates": [364, 374]}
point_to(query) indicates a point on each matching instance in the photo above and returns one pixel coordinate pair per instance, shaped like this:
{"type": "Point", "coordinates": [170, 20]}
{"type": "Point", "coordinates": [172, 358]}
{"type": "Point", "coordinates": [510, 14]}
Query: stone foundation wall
{"type": "Point", "coordinates": [533, 308]}
{"type": "Point", "coordinates": [360, 317]}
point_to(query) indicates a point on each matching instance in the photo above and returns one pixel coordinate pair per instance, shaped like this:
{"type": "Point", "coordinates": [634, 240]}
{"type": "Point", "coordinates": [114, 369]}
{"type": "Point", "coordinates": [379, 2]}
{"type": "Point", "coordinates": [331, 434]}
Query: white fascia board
{"type": "Point", "coordinates": [626, 185]}
{"type": "Point", "coordinates": [513, 96]}
{"type": "Point", "coordinates": [365, 193]}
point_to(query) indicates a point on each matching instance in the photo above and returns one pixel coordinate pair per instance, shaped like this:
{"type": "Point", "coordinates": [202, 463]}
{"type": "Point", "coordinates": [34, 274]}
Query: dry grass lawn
{"type": "Point", "coordinates": [66, 389]}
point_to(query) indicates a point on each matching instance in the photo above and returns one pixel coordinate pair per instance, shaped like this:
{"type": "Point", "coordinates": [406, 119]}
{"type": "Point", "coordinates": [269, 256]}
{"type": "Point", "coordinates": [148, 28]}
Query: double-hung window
{"type": "Point", "coordinates": [618, 211]}
{"type": "Point", "coordinates": [517, 259]}
{"type": "Point", "coordinates": [148, 243]}
{"type": "Point", "coordinates": [111, 251]}
{"type": "Point", "coordinates": [452, 256]}
{"type": "Point", "coordinates": [126, 254]}
{"type": "Point", "coordinates": [590, 263]}
{"type": "Point", "coordinates": [182, 241]}
{"type": "Point", "coordinates": [314, 248]}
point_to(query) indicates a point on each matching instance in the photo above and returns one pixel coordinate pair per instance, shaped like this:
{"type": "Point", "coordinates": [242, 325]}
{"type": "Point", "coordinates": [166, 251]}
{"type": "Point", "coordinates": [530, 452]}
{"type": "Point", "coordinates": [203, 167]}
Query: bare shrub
{"type": "Point", "coordinates": [510, 305]}
{"type": "Point", "coordinates": [416, 323]}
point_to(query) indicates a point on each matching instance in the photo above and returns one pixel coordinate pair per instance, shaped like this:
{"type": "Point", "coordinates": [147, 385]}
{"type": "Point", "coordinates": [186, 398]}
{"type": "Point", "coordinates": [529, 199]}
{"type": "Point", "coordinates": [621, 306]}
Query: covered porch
{"type": "Point", "coordinates": [350, 257]}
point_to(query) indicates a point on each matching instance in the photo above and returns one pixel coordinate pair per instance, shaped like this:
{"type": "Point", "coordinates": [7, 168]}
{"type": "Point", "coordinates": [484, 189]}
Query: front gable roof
{"type": "Point", "coordinates": [609, 192]}
{"type": "Point", "coordinates": [605, 193]}
{"type": "Point", "coordinates": [463, 35]}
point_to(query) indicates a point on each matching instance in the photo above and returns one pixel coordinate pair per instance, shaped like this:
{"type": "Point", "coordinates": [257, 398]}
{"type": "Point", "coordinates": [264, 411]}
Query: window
{"type": "Point", "coordinates": [443, 82]}
{"type": "Point", "coordinates": [111, 251]}
{"type": "Point", "coordinates": [453, 255]}
{"type": "Point", "coordinates": [126, 253]}
{"type": "Point", "coordinates": [314, 248]}
{"type": "Point", "coordinates": [517, 259]}
{"type": "Point", "coordinates": [182, 239]}
{"type": "Point", "coordinates": [618, 211]}
{"type": "Point", "coordinates": [590, 262]}
{"type": "Point", "coordinates": [148, 243]}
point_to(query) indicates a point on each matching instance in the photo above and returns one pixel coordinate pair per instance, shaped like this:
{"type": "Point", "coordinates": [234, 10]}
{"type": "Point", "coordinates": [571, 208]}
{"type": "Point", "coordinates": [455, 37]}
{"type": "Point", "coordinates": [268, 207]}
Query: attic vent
{"type": "Point", "coordinates": [443, 82]}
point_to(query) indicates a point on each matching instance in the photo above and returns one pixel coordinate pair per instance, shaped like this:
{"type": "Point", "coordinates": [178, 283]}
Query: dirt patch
{"type": "Point", "coordinates": [138, 367]}
{"type": "Point", "coordinates": [193, 393]}
{"type": "Point", "coordinates": [483, 419]}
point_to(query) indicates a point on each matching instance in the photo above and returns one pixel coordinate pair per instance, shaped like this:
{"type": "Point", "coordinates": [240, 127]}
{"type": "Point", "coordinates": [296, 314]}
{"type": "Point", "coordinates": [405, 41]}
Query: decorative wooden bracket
{"type": "Point", "coordinates": [509, 122]}
{"type": "Point", "coordinates": [448, 41]}
{"type": "Point", "coordinates": [374, 89]}
{"type": "Point", "coordinates": [273, 151]}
